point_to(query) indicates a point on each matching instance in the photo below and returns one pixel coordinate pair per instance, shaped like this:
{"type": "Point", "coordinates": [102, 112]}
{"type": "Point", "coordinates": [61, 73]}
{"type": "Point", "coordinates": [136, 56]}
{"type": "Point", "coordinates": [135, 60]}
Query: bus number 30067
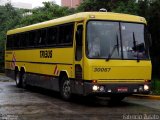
{"type": "Point", "coordinates": [102, 69]}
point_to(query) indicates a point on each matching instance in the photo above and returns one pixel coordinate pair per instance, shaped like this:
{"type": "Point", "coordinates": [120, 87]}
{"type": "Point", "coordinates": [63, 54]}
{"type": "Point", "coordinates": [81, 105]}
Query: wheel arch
{"type": "Point", "coordinates": [16, 69]}
{"type": "Point", "coordinates": [23, 69]}
{"type": "Point", "coordinates": [61, 74]}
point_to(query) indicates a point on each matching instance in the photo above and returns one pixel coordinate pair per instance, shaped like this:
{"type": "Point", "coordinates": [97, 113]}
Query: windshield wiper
{"type": "Point", "coordinates": [135, 46]}
{"type": "Point", "coordinates": [114, 47]}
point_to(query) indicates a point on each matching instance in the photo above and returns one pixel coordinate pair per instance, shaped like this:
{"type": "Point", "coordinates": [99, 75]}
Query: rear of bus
{"type": "Point", "coordinates": [116, 55]}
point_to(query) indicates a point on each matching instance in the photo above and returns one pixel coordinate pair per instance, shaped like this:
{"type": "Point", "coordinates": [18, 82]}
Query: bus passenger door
{"type": "Point", "coordinates": [78, 83]}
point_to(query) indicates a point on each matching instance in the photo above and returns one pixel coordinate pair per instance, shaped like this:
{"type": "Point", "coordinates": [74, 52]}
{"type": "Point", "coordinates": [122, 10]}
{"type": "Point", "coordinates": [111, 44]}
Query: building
{"type": "Point", "coordinates": [70, 3]}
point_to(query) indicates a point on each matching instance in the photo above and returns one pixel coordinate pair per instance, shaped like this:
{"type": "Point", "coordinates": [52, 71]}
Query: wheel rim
{"type": "Point", "coordinates": [66, 88]}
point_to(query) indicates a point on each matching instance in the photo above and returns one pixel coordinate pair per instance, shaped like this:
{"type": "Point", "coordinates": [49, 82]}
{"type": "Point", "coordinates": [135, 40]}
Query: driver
{"type": "Point", "coordinates": [94, 47]}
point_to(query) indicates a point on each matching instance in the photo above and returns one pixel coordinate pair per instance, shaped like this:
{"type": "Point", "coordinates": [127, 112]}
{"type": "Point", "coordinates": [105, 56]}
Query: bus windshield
{"type": "Point", "coordinates": [116, 40]}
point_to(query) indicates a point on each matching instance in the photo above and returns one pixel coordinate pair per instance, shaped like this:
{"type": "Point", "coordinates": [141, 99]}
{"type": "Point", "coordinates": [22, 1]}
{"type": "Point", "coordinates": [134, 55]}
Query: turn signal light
{"type": "Point", "coordinates": [94, 81]}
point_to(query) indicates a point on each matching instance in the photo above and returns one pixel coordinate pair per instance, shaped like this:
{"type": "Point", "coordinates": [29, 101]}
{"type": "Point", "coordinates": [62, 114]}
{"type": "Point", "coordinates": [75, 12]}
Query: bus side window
{"type": "Point", "coordinates": [32, 37]}
{"type": "Point", "coordinates": [23, 40]}
{"type": "Point", "coordinates": [79, 34]}
{"type": "Point", "coordinates": [66, 34]}
{"type": "Point", "coordinates": [9, 42]}
{"type": "Point", "coordinates": [43, 37]}
{"type": "Point", "coordinates": [16, 41]}
{"type": "Point", "coordinates": [51, 36]}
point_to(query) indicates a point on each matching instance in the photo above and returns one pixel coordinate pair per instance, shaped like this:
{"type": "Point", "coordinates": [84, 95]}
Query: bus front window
{"type": "Point", "coordinates": [133, 41]}
{"type": "Point", "coordinates": [102, 37]}
{"type": "Point", "coordinates": [104, 41]}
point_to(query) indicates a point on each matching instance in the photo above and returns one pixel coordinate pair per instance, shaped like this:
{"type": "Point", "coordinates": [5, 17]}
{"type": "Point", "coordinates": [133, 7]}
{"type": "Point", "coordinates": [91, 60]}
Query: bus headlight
{"type": "Point", "coordinates": [95, 88]}
{"type": "Point", "coordinates": [146, 87]}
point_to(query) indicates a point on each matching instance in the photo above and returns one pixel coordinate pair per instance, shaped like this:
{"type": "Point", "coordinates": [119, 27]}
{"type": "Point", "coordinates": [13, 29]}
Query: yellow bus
{"type": "Point", "coordinates": [88, 53]}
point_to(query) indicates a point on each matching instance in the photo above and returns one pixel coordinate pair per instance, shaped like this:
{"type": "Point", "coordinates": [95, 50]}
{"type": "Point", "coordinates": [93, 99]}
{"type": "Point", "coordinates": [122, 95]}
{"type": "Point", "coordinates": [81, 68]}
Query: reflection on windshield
{"type": "Point", "coordinates": [104, 41]}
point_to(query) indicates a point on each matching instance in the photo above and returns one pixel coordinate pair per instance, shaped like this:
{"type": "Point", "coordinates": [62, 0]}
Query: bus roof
{"type": "Point", "coordinates": [81, 17]}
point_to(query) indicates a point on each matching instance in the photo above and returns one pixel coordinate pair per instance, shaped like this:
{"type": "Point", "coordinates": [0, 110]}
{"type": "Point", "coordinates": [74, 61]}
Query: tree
{"type": "Point", "coordinates": [9, 18]}
{"type": "Point", "coordinates": [129, 7]}
{"type": "Point", "coordinates": [48, 12]}
{"type": "Point", "coordinates": [110, 5]}
{"type": "Point", "coordinates": [154, 28]}
{"type": "Point", "coordinates": [93, 5]}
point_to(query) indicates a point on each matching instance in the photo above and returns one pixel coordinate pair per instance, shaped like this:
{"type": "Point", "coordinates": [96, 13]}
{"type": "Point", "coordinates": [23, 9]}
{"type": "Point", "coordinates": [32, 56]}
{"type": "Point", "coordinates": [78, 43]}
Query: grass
{"type": "Point", "coordinates": [156, 86]}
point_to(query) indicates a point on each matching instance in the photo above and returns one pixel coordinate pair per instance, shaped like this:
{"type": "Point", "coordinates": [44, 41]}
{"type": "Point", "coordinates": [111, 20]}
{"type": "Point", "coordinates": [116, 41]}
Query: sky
{"type": "Point", "coordinates": [36, 3]}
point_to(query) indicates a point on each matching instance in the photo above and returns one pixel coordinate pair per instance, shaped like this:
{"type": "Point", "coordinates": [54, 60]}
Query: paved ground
{"type": "Point", "coordinates": [40, 104]}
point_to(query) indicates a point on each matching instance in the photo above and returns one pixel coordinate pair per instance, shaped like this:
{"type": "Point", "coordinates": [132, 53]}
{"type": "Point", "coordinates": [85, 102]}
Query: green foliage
{"type": "Point", "coordinates": [156, 86]}
{"type": "Point", "coordinates": [154, 22]}
{"type": "Point", "coordinates": [143, 10]}
{"type": "Point", "coordinates": [122, 6]}
{"type": "Point", "coordinates": [154, 27]}
{"type": "Point", "coordinates": [48, 12]}
{"type": "Point", "coordinates": [129, 7]}
{"type": "Point", "coordinates": [95, 5]}
{"type": "Point", "coordinates": [12, 18]}
{"type": "Point", "coordinates": [9, 18]}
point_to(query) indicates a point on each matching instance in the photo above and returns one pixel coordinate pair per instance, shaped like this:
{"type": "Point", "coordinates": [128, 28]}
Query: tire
{"type": "Point", "coordinates": [18, 80]}
{"type": "Point", "coordinates": [65, 88]}
{"type": "Point", "coordinates": [23, 79]}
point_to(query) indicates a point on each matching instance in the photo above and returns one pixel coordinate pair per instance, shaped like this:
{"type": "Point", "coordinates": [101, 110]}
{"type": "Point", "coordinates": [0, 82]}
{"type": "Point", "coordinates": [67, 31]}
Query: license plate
{"type": "Point", "coordinates": [122, 89]}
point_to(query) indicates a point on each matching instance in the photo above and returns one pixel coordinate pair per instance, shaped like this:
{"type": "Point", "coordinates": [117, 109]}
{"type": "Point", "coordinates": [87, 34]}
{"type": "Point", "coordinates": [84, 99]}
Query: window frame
{"type": "Point", "coordinates": [46, 45]}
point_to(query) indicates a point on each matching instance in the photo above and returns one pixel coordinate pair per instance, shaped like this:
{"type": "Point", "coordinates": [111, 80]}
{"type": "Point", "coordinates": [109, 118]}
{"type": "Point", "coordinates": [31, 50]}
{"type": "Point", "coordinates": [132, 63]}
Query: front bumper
{"type": "Point", "coordinates": [111, 89]}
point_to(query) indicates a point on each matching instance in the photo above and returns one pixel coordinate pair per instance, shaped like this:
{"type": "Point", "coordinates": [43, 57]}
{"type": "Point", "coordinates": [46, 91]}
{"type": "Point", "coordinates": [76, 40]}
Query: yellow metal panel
{"type": "Point", "coordinates": [60, 55]}
{"type": "Point", "coordinates": [31, 60]}
{"type": "Point", "coordinates": [117, 70]}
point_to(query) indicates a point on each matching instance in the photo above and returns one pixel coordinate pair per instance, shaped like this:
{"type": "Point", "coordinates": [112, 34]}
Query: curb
{"type": "Point", "coordinates": [153, 97]}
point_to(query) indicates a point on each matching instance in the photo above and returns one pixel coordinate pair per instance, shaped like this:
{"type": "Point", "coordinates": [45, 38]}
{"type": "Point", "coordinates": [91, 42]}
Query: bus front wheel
{"type": "Point", "coordinates": [65, 88]}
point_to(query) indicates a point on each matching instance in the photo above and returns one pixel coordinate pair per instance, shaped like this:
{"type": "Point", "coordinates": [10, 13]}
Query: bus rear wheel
{"type": "Point", "coordinates": [17, 79]}
{"type": "Point", "coordinates": [23, 79]}
{"type": "Point", "coordinates": [65, 88]}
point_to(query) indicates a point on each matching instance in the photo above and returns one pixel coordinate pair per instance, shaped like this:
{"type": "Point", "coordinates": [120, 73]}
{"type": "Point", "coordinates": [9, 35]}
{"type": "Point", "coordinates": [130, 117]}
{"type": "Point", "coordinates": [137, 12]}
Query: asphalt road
{"type": "Point", "coordinates": [40, 104]}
